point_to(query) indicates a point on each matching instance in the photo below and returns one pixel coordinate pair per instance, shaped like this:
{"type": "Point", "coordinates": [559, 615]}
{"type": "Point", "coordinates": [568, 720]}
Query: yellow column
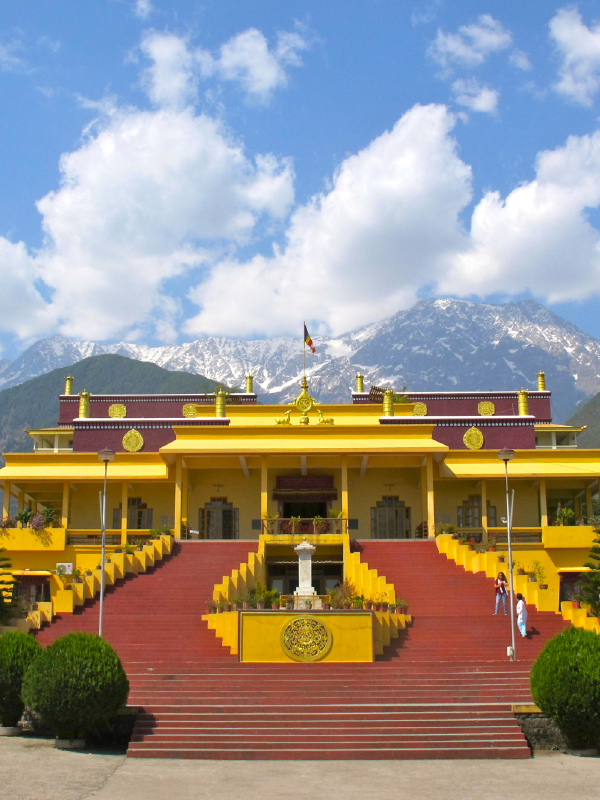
{"type": "Point", "coordinates": [20, 501]}
{"type": "Point", "coordinates": [424, 493]}
{"type": "Point", "coordinates": [543, 504]}
{"type": "Point", "coordinates": [184, 496]}
{"type": "Point", "coordinates": [178, 498]}
{"type": "Point", "coordinates": [124, 499]}
{"type": "Point", "coordinates": [6, 500]}
{"type": "Point", "coordinates": [64, 521]}
{"type": "Point", "coordinates": [264, 487]}
{"type": "Point", "coordinates": [345, 487]}
{"type": "Point", "coordinates": [588, 502]}
{"type": "Point", "coordinates": [430, 499]}
{"type": "Point", "coordinates": [484, 518]}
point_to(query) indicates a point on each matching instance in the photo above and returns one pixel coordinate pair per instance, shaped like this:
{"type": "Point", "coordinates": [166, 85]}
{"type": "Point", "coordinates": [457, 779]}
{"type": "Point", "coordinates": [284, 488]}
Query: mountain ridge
{"type": "Point", "coordinates": [437, 345]}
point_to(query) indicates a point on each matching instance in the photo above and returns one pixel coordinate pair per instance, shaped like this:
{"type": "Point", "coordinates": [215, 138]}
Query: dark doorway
{"type": "Point", "coordinates": [304, 510]}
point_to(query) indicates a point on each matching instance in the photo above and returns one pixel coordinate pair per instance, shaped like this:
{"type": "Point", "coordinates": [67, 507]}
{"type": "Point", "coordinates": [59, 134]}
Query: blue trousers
{"type": "Point", "coordinates": [503, 598]}
{"type": "Point", "coordinates": [522, 627]}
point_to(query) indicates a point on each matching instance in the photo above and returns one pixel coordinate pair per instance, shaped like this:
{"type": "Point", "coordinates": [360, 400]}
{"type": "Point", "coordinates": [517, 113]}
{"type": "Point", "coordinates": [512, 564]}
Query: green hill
{"type": "Point", "coordinates": [34, 404]}
{"type": "Point", "coordinates": [588, 414]}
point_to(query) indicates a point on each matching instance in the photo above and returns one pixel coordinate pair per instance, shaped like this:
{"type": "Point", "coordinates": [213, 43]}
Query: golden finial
{"type": "Point", "coordinates": [541, 376]}
{"type": "Point", "coordinates": [69, 384]}
{"type": "Point", "coordinates": [220, 401]}
{"type": "Point", "coordinates": [388, 403]}
{"type": "Point", "coordinates": [249, 384]}
{"type": "Point", "coordinates": [360, 382]}
{"type": "Point", "coordinates": [84, 404]}
{"type": "Point", "coordinates": [523, 403]}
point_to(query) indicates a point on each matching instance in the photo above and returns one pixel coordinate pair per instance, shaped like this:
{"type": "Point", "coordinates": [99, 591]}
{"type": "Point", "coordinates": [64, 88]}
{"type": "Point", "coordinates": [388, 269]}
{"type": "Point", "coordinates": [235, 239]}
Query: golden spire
{"type": "Point", "coordinates": [69, 384]}
{"type": "Point", "coordinates": [523, 403]}
{"type": "Point", "coordinates": [541, 376]}
{"type": "Point", "coordinates": [360, 382]}
{"type": "Point", "coordinates": [84, 404]}
{"type": "Point", "coordinates": [388, 403]}
{"type": "Point", "coordinates": [249, 384]}
{"type": "Point", "coordinates": [220, 402]}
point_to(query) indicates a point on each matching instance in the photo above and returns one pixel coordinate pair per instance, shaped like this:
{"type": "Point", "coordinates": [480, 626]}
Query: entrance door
{"type": "Point", "coordinates": [390, 519]}
{"type": "Point", "coordinates": [219, 520]}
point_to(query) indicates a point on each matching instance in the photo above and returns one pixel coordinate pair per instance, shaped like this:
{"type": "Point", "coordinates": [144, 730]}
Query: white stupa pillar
{"type": "Point", "coordinates": [305, 553]}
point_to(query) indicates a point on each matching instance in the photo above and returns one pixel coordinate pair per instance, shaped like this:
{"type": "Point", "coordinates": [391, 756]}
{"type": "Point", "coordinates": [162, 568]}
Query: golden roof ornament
{"type": "Point", "coordinates": [473, 439]}
{"type": "Point", "coordinates": [117, 410]}
{"type": "Point", "coordinates": [304, 402]}
{"type": "Point", "coordinates": [523, 403]}
{"type": "Point", "coordinates": [541, 380]}
{"type": "Point", "coordinates": [419, 410]}
{"type": "Point", "coordinates": [133, 441]}
{"type": "Point", "coordinates": [486, 409]}
{"type": "Point", "coordinates": [360, 382]}
{"type": "Point", "coordinates": [220, 402]}
{"type": "Point", "coordinates": [69, 384]}
{"type": "Point", "coordinates": [190, 410]}
{"type": "Point", "coordinates": [249, 384]}
{"type": "Point", "coordinates": [84, 404]}
{"type": "Point", "coordinates": [388, 403]}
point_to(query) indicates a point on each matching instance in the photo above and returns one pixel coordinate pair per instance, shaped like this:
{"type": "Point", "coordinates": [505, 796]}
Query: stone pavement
{"type": "Point", "coordinates": [31, 769]}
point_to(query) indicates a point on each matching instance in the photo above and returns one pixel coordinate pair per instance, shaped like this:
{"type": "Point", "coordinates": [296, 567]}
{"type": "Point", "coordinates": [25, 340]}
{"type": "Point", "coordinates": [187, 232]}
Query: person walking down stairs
{"type": "Point", "coordinates": [501, 585]}
{"type": "Point", "coordinates": [522, 615]}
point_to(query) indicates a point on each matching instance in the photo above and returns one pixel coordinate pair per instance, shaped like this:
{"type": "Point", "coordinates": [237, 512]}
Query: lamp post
{"type": "Point", "coordinates": [105, 455]}
{"type": "Point", "coordinates": [506, 456]}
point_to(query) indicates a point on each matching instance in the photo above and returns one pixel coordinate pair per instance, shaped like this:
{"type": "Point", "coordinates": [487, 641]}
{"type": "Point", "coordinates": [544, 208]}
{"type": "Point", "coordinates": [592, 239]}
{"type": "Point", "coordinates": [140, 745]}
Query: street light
{"type": "Point", "coordinates": [506, 456]}
{"type": "Point", "coordinates": [105, 455]}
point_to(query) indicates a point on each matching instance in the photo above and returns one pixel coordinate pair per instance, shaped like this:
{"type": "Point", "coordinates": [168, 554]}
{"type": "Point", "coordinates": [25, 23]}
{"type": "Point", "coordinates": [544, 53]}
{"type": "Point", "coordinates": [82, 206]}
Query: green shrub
{"type": "Point", "coordinates": [565, 684]}
{"type": "Point", "coordinates": [77, 684]}
{"type": "Point", "coordinates": [17, 651]}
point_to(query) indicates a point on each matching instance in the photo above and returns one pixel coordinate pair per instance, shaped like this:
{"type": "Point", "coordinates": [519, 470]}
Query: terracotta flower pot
{"type": "Point", "coordinates": [368, 604]}
{"type": "Point", "coordinates": [227, 606]}
{"type": "Point", "coordinates": [377, 606]}
{"type": "Point", "coordinates": [576, 604]}
{"type": "Point", "coordinates": [260, 604]}
{"type": "Point", "coordinates": [219, 609]}
{"type": "Point", "coordinates": [275, 606]}
{"type": "Point", "coordinates": [492, 548]}
{"type": "Point", "coordinates": [392, 609]}
{"type": "Point", "coordinates": [543, 585]}
{"type": "Point", "coordinates": [245, 605]}
{"type": "Point", "coordinates": [346, 606]}
{"type": "Point", "coordinates": [501, 559]}
{"type": "Point", "coordinates": [326, 606]}
{"type": "Point", "coordinates": [520, 571]}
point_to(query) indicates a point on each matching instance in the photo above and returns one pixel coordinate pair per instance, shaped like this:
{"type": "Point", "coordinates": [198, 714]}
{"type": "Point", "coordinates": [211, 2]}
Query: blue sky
{"type": "Point", "coordinates": [179, 169]}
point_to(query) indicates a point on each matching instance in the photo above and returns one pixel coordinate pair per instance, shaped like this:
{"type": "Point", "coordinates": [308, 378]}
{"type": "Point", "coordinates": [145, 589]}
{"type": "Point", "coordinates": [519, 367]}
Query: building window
{"type": "Point", "coordinates": [219, 520]}
{"type": "Point", "coordinates": [469, 514]}
{"type": "Point", "coordinates": [139, 516]}
{"type": "Point", "coordinates": [390, 519]}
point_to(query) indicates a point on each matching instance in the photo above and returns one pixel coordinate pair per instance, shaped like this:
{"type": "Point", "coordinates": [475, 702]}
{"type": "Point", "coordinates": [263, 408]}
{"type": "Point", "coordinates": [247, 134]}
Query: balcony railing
{"type": "Point", "coordinates": [296, 525]}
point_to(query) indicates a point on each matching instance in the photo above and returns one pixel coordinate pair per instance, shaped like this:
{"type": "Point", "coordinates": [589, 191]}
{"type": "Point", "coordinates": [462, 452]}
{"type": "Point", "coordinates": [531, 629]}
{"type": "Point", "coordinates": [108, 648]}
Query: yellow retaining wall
{"type": "Point", "coordinates": [384, 628]}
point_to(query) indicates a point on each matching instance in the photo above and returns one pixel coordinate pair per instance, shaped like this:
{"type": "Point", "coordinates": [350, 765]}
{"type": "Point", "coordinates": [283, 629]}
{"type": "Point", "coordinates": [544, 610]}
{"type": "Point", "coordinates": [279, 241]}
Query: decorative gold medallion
{"type": "Point", "coordinates": [133, 441]}
{"type": "Point", "coordinates": [419, 410]}
{"type": "Point", "coordinates": [486, 409]}
{"type": "Point", "coordinates": [473, 439]}
{"type": "Point", "coordinates": [189, 410]}
{"type": "Point", "coordinates": [306, 639]}
{"type": "Point", "coordinates": [304, 402]}
{"type": "Point", "coordinates": [117, 410]}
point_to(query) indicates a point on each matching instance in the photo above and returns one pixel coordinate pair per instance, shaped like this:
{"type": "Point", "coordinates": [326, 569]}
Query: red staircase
{"type": "Point", "coordinates": [443, 690]}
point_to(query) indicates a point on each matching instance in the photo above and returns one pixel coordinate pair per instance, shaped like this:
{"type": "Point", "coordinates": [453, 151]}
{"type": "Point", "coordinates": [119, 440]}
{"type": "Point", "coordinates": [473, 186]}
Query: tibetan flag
{"type": "Point", "coordinates": [308, 340]}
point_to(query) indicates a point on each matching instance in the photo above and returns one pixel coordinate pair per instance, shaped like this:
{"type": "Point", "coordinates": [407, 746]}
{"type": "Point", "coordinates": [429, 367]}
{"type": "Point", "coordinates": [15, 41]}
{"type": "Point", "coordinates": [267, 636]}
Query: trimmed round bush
{"type": "Point", "coordinates": [565, 684]}
{"type": "Point", "coordinates": [77, 684]}
{"type": "Point", "coordinates": [17, 652]}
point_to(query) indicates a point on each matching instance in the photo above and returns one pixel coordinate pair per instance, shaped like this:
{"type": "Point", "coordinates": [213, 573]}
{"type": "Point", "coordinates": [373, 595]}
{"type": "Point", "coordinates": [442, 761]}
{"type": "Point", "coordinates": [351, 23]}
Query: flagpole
{"type": "Point", "coordinates": [304, 349]}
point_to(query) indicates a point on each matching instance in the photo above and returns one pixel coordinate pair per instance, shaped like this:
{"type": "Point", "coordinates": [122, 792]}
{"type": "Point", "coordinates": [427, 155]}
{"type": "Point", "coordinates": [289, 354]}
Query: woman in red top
{"type": "Point", "coordinates": [501, 585]}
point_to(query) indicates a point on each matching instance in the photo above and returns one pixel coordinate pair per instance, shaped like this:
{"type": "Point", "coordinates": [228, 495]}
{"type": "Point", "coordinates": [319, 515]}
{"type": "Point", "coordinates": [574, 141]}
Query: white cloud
{"type": "Point", "coordinates": [539, 234]}
{"type": "Point", "coordinates": [143, 8]}
{"type": "Point", "coordinates": [579, 48]}
{"type": "Point", "coordinates": [171, 80]}
{"type": "Point", "coordinates": [474, 96]}
{"type": "Point", "coordinates": [520, 60]}
{"type": "Point", "coordinates": [247, 59]}
{"type": "Point", "coordinates": [471, 45]}
{"type": "Point", "coordinates": [9, 60]}
{"type": "Point", "coordinates": [24, 312]}
{"type": "Point", "coordinates": [362, 250]}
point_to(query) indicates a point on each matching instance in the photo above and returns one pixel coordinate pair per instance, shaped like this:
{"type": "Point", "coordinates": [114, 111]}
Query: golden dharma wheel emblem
{"type": "Point", "coordinates": [117, 410]}
{"type": "Point", "coordinates": [473, 439]}
{"type": "Point", "coordinates": [486, 409]}
{"type": "Point", "coordinates": [133, 441]}
{"type": "Point", "coordinates": [306, 639]}
{"type": "Point", "coordinates": [420, 410]}
{"type": "Point", "coordinates": [189, 410]}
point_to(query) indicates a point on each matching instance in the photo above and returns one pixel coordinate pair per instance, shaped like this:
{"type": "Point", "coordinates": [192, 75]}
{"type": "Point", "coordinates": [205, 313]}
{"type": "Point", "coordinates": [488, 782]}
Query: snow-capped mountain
{"type": "Point", "coordinates": [435, 345]}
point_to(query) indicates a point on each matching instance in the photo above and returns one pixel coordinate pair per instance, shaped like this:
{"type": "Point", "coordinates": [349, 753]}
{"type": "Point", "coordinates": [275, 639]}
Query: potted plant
{"type": "Point", "coordinates": [308, 604]}
{"type": "Point", "coordinates": [118, 550]}
{"type": "Point", "coordinates": [358, 602]}
{"type": "Point", "coordinates": [128, 549]}
{"type": "Point", "coordinates": [211, 606]}
{"type": "Point", "coordinates": [471, 543]}
{"type": "Point", "coordinates": [501, 558]}
{"type": "Point", "coordinates": [565, 516]}
{"type": "Point", "coordinates": [540, 574]}
{"type": "Point", "coordinates": [576, 600]}
{"type": "Point", "coordinates": [368, 604]}
{"type": "Point", "coordinates": [492, 539]}
{"type": "Point", "coordinates": [77, 576]}
{"type": "Point", "coordinates": [220, 605]}
{"type": "Point", "coordinates": [392, 607]}
{"type": "Point", "coordinates": [235, 603]}
{"type": "Point", "coordinates": [24, 516]}
{"type": "Point", "coordinates": [520, 570]}
{"type": "Point", "coordinates": [321, 524]}
{"type": "Point", "coordinates": [327, 605]}
{"type": "Point", "coordinates": [289, 604]}
{"type": "Point", "coordinates": [275, 605]}
{"type": "Point", "coordinates": [227, 606]}
{"type": "Point", "coordinates": [8, 522]}
{"type": "Point", "coordinates": [88, 573]}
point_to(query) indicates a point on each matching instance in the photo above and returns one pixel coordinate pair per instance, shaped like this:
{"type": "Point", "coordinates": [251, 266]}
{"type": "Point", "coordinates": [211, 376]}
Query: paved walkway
{"type": "Point", "coordinates": [31, 769]}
